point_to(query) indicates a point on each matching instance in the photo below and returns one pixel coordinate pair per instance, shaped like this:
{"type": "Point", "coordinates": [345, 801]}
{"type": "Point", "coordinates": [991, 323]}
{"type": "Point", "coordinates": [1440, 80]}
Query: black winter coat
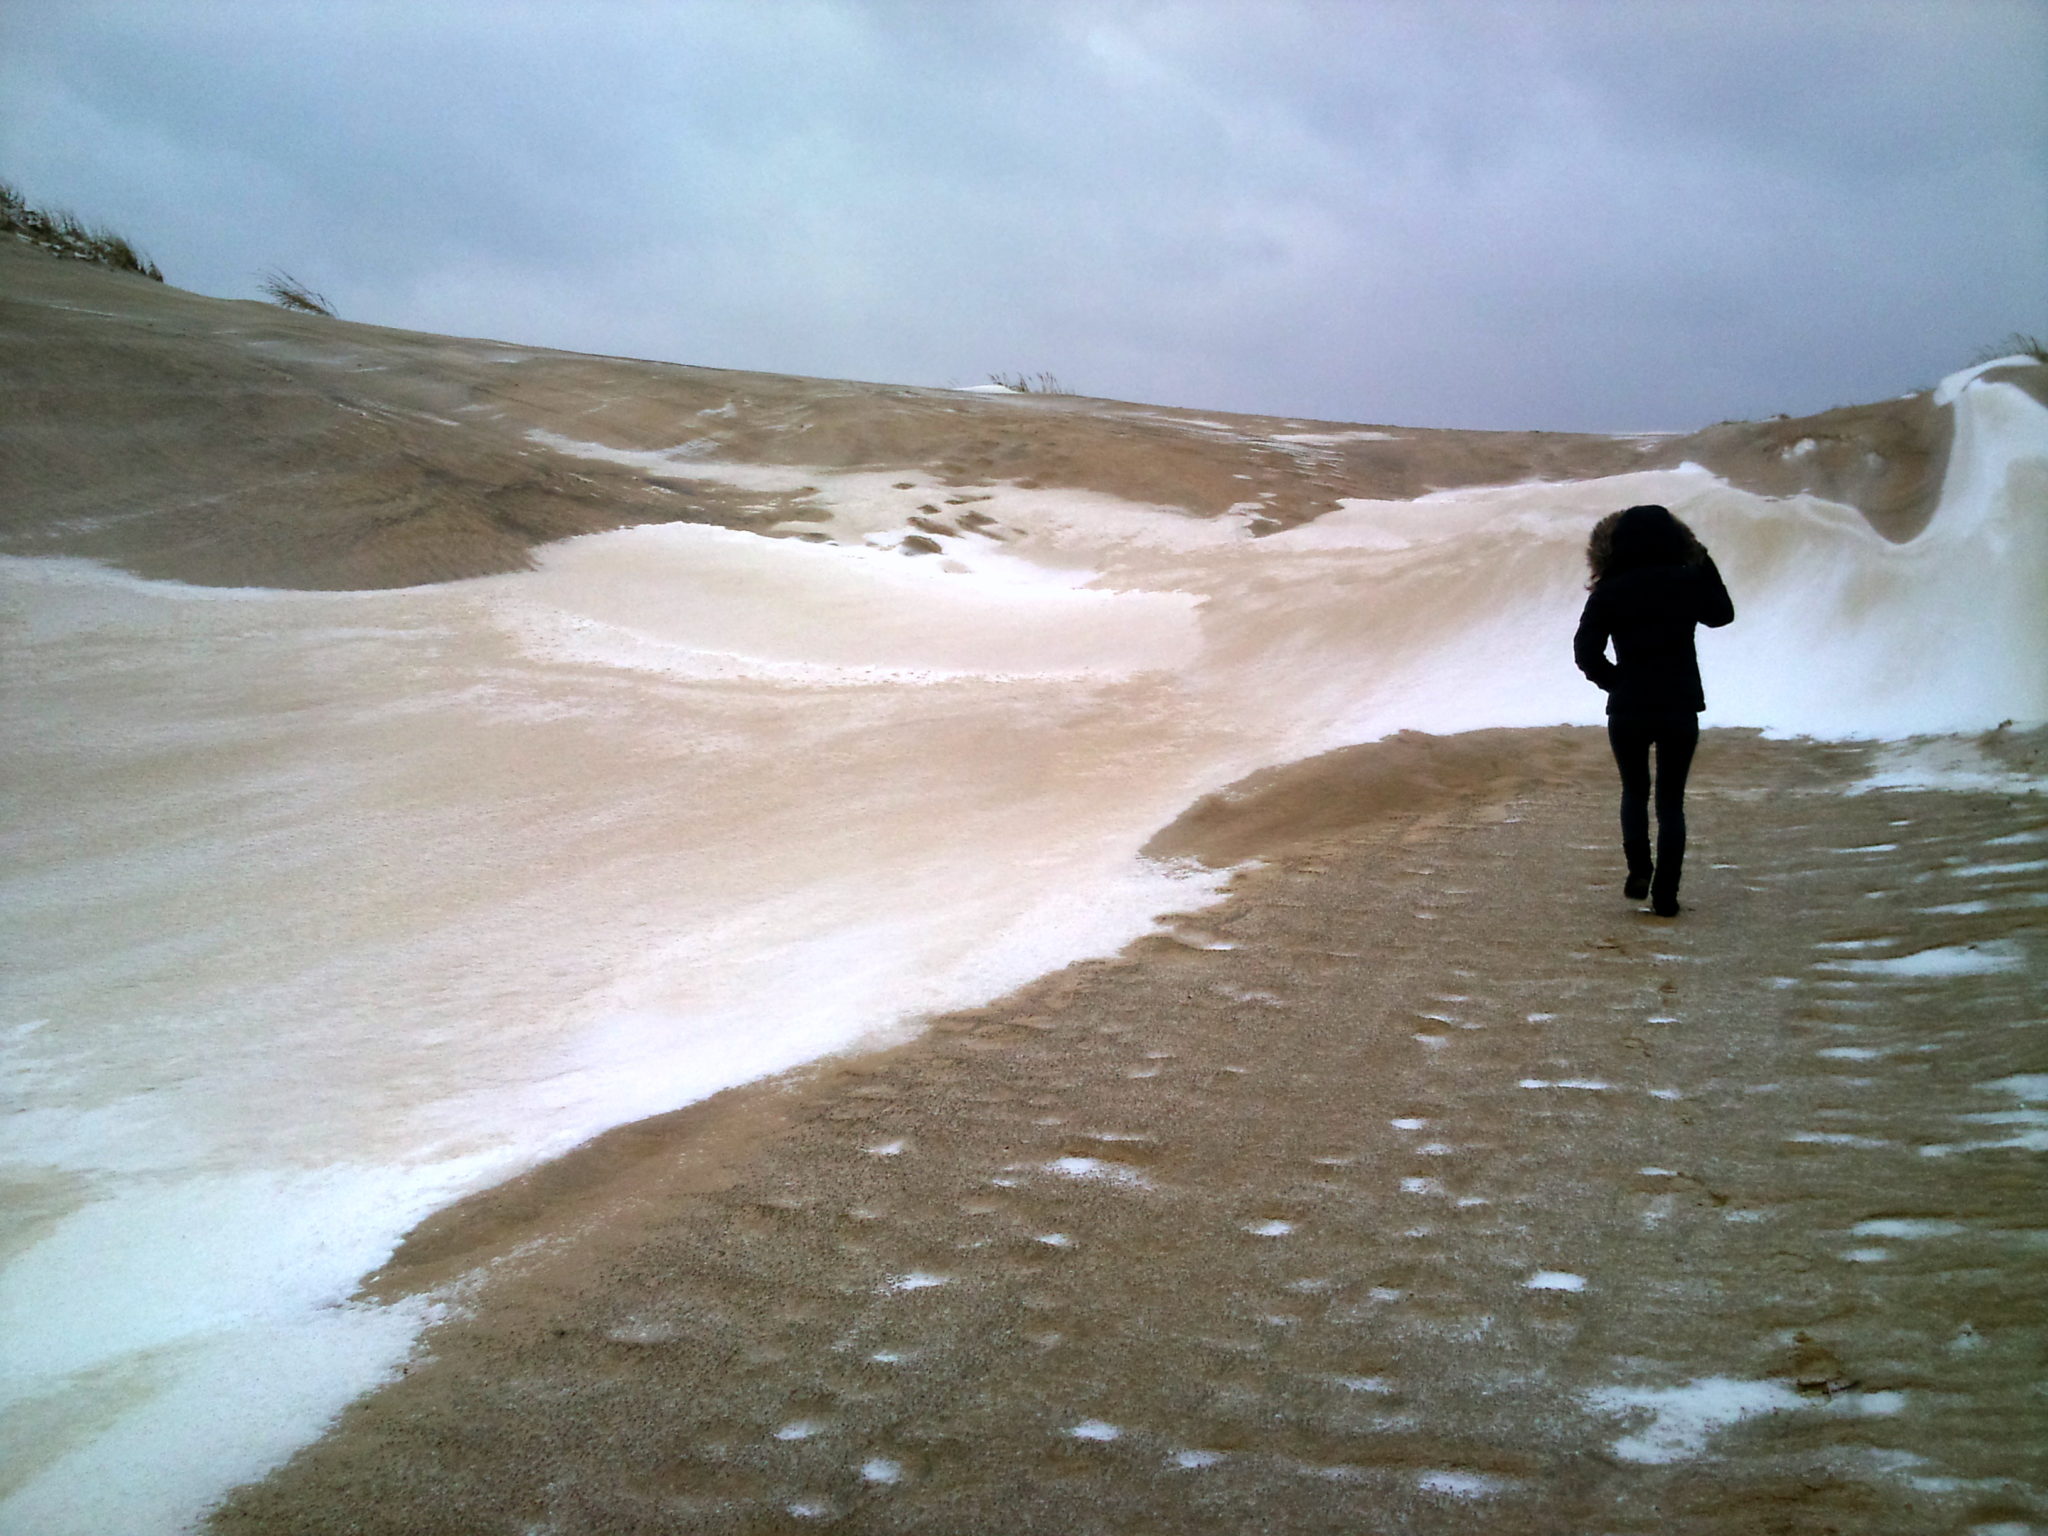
{"type": "Point", "coordinates": [1649, 613]}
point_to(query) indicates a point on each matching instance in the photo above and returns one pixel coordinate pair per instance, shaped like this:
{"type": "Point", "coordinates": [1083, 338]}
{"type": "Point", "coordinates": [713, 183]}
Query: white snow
{"type": "Point", "coordinates": [1331, 439]}
{"type": "Point", "coordinates": [2029, 1123]}
{"type": "Point", "coordinates": [1945, 764]}
{"type": "Point", "coordinates": [1908, 1227]}
{"type": "Point", "coordinates": [1683, 1418]}
{"type": "Point", "coordinates": [1379, 1386]}
{"type": "Point", "coordinates": [916, 1280]}
{"type": "Point", "coordinates": [2027, 1087]}
{"type": "Point", "coordinates": [1985, 959]}
{"type": "Point", "coordinates": [1095, 1429]}
{"type": "Point", "coordinates": [1987, 904]}
{"type": "Point", "coordinates": [1554, 1280]}
{"type": "Point", "coordinates": [1099, 1170]}
{"type": "Point", "coordinates": [1951, 389]}
{"type": "Point", "coordinates": [1461, 1485]}
{"type": "Point", "coordinates": [218, 1410]}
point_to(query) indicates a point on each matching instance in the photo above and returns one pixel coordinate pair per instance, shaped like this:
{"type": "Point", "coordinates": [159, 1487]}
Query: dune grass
{"type": "Point", "coordinates": [63, 233]}
{"type": "Point", "coordinates": [1030, 383]}
{"type": "Point", "coordinates": [2015, 345]}
{"type": "Point", "coordinates": [287, 292]}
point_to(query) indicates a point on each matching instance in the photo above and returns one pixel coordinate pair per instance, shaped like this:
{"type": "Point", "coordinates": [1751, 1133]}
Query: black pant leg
{"type": "Point", "coordinates": [1677, 738]}
{"type": "Point", "coordinates": [1630, 740]}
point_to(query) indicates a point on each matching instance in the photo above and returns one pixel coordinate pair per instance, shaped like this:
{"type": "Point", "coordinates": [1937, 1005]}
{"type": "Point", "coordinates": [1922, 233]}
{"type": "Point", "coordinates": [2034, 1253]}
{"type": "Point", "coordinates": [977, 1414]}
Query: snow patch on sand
{"type": "Point", "coordinates": [1908, 1227]}
{"type": "Point", "coordinates": [214, 1411]}
{"type": "Point", "coordinates": [2029, 1121]}
{"type": "Point", "coordinates": [1099, 1171]}
{"type": "Point", "coordinates": [1986, 959]}
{"type": "Point", "coordinates": [1951, 389]}
{"type": "Point", "coordinates": [1683, 1418]}
{"type": "Point", "coordinates": [916, 1280]}
{"type": "Point", "coordinates": [1462, 1485]}
{"type": "Point", "coordinates": [1948, 764]}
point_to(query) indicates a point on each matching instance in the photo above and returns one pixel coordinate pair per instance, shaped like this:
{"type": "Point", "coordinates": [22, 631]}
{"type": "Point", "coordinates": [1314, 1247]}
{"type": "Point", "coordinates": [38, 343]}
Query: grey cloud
{"type": "Point", "coordinates": [1567, 215]}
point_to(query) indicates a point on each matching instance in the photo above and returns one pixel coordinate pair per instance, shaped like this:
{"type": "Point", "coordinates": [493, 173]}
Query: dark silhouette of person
{"type": "Point", "coordinates": [1653, 581]}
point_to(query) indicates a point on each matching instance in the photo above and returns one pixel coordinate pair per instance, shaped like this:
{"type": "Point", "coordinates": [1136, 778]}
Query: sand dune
{"type": "Point", "coordinates": [222, 443]}
{"type": "Point", "coordinates": [421, 764]}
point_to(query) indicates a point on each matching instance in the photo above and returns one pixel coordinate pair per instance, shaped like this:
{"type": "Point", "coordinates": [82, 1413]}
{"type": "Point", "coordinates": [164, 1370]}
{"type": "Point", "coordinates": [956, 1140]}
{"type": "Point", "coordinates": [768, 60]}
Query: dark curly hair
{"type": "Point", "coordinates": [1639, 537]}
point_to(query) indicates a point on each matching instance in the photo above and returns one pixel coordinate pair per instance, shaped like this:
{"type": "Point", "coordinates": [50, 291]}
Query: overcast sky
{"type": "Point", "coordinates": [1578, 215]}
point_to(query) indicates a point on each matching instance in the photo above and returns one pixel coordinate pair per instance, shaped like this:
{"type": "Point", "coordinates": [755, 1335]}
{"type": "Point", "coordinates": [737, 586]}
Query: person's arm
{"type": "Point", "coordinates": [1716, 607]}
{"type": "Point", "coordinates": [1589, 645]}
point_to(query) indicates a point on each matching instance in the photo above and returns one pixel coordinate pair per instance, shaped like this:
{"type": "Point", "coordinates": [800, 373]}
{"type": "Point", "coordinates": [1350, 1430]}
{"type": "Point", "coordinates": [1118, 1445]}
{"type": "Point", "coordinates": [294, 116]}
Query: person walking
{"type": "Point", "coordinates": [1652, 583]}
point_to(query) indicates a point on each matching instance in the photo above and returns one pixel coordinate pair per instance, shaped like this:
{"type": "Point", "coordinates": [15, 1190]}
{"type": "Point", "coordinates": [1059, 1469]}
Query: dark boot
{"type": "Point", "coordinates": [1664, 885]}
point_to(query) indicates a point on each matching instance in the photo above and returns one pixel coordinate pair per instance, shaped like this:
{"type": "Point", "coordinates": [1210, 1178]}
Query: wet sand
{"type": "Point", "coordinates": [1388, 1196]}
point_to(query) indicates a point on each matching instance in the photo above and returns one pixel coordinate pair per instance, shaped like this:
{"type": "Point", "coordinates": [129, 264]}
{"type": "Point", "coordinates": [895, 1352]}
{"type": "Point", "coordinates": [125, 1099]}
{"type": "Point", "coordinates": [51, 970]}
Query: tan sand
{"type": "Point", "coordinates": [1268, 1195]}
{"type": "Point", "coordinates": [236, 443]}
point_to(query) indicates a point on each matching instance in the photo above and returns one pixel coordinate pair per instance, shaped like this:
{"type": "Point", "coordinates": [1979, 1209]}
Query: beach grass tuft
{"type": "Point", "coordinates": [288, 292]}
{"type": "Point", "coordinates": [2017, 344]}
{"type": "Point", "coordinates": [1030, 383]}
{"type": "Point", "coordinates": [63, 233]}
